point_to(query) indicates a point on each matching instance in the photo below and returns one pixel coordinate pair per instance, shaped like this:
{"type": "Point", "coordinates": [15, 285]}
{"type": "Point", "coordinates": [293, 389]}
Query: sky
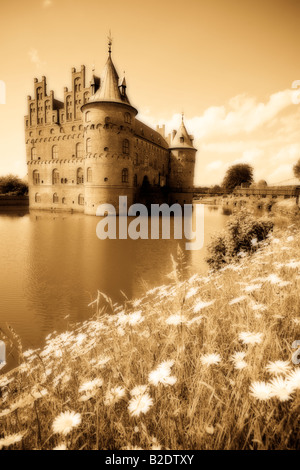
{"type": "Point", "coordinates": [229, 65]}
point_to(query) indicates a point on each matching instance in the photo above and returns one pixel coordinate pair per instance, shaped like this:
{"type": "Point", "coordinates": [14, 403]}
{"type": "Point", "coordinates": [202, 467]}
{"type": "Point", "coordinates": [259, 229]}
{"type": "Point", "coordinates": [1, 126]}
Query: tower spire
{"type": "Point", "coordinates": [110, 39]}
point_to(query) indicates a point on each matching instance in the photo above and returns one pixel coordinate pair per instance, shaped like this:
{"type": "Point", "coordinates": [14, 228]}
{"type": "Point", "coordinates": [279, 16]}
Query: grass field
{"type": "Point", "coordinates": [199, 363]}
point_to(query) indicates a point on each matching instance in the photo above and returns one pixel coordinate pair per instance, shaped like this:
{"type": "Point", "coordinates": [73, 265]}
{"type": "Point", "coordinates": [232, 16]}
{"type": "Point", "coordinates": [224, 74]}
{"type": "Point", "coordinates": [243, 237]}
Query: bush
{"type": "Point", "coordinates": [11, 184]}
{"type": "Point", "coordinates": [243, 234]}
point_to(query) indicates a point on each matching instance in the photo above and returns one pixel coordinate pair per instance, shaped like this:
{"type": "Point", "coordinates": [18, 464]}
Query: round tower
{"type": "Point", "coordinates": [182, 166]}
{"type": "Point", "coordinates": [108, 142]}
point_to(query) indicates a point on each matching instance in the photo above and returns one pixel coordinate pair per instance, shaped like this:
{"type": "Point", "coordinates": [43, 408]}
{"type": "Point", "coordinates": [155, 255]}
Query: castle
{"type": "Point", "coordinates": [91, 149]}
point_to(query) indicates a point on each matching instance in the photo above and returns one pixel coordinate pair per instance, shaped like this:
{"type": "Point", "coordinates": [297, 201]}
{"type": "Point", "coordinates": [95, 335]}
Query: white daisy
{"type": "Point", "coordinates": [278, 367]}
{"type": "Point", "coordinates": [138, 390]}
{"type": "Point", "coordinates": [281, 388]}
{"type": "Point", "coordinates": [140, 404]}
{"type": "Point", "coordinates": [65, 422]}
{"type": "Point", "coordinates": [11, 439]}
{"type": "Point", "coordinates": [261, 391]}
{"type": "Point", "coordinates": [250, 338]}
{"type": "Point", "coordinates": [240, 365]}
{"type": "Point", "coordinates": [294, 378]}
{"type": "Point", "coordinates": [90, 385]}
{"type": "Point", "coordinates": [210, 359]}
{"type": "Point", "coordinates": [113, 395]}
{"type": "Point", "coordinates": [61, 447]}
{"type": "Point", "coordinates": [238, 356]}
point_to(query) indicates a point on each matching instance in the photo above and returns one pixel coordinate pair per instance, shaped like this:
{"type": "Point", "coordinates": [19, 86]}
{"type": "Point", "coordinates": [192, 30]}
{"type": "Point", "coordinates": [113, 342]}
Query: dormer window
{"type": "Point", "coordinates": [181, 140]}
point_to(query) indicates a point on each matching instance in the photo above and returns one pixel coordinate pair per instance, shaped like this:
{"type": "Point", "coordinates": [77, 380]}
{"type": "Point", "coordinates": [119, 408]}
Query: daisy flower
{"type": "Point", "coordinates": [114, 395]}
{"type": "Point", "coordinates": [238, 356]}
{"type": "Point", "coordinates": [11, 439]}
{"type": "Point", "coordinates": [240, 365]}
{"type": "Point", "coordinates": [65, 422]}
{"type": "Point", "coordinates": [140, 404]}
{"type": "Point", "coordinates": [250, 338]}
{"type": "Point", "coordinates": [261, 391]}
{"type": "Point", "coordinates": [90, 385]}
{"type": "Point", "coordinates": [294, 378]}
{"type": "Point", "coordinates": [161, 374]}
{"type": "Point", "coordinates": [278, 367]}
{"type": "Point", "coordinates": [61, 447]}
{"type": "Point", "coordinates": [138, 390]}
{"type": "Point", "coordinates": [210, 359]}
{"type": "Point", "coordinates": [281, 388]}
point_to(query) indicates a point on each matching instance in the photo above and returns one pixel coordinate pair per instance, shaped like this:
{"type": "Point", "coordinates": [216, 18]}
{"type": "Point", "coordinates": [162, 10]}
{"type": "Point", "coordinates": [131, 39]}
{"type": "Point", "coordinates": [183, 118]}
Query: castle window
{"type": "Point", "coordinates": [36, 177]}
{"type": "Point", "coordinates": [86, 97]}
{"type": "Point", "coordinates": [182, 139]}
{"type": "Point", "coordinates": [55, 176]}
{"type": "Point", "coordinates": [125, 175]}
{"type": "Point", "coordinates": [55, 198]}
{"type": "Point", "coordinates": [88, 116]}
{"type": "Point", "coordinates": [79, 150]}
{"type": "Point", "coordinates": [81, 199]}
{"type": "Point", "coordinates": [88, 145]}
{"type": "Point", "coordinates": [77, 84]}
{"type": "Point", "coordinates": [63, 200]}
{"type": "Point", "coordinates": [33, 153]}
{"type": "Point", "coordinates": [89, 175]}
{"type": "Point", "coordinates": [146, 161]}
{"type": "Point", "coordinates": [37, 197]}
{"type": "Point", "coordinates": [135, 182]}
{"type": "Point", "coordinates": [80, 176]}
{"type": "Point", "coordinates": [126, 146]}
{"type": "Point", "coordinates": [54, 152]}
{"type": "Point", "coordinates": [39, 93]}
{"type": "Point", "coordinates": [127, 118]}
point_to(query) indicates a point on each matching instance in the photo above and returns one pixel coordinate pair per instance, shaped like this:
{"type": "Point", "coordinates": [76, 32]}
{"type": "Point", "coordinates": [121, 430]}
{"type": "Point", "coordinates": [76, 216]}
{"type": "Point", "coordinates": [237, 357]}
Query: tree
{"type": "Point", "coordinates": [296, 169]}
{"type": "Point", "coordinates": [12, 184]}
{"type": "Point", "coordinates": [236, 175]}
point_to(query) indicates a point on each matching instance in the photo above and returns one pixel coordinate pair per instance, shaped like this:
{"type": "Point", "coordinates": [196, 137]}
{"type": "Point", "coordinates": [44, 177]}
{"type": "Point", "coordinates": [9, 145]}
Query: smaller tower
{"type": "Point", "coordinates": [182, 165]}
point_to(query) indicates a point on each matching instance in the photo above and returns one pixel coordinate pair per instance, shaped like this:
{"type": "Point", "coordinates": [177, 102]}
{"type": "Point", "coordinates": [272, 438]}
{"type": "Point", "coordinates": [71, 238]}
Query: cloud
{"type": "Point", "coordinates": [244, 130]}
{"type": "Point", "coordinates": [214, 165]}
{"type": "Point", "coordinates": [35, 59]}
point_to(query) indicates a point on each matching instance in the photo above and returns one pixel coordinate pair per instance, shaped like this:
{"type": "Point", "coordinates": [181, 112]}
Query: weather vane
{"type": "Point", "coordinates": [110, 39]}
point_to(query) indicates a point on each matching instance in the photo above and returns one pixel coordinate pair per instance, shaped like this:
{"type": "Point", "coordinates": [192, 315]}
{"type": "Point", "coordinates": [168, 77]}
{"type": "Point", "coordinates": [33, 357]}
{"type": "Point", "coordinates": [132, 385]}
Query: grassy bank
{"type": "Point", "coordinates": [200, 363]}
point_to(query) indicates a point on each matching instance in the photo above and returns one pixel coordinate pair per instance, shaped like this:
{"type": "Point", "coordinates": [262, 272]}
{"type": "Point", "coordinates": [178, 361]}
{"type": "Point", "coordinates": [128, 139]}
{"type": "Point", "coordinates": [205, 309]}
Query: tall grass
{"type": "Point", "coordinates": [201, 398]}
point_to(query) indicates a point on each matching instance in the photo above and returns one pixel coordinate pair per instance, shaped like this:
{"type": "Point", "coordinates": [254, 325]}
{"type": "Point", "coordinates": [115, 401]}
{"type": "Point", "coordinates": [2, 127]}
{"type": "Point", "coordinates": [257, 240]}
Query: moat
{"type": "Point", "coordinates": [52, 265]}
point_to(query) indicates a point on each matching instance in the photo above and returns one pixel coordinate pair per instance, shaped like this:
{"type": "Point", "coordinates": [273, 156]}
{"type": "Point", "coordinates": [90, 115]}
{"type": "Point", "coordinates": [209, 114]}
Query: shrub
{"type": "Point", "coordinates": [11, 184]}
{"type": "Point", "coordinates": [243, 234]}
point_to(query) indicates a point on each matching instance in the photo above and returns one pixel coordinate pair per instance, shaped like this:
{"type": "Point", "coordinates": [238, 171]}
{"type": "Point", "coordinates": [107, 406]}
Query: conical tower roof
{"type": "Point", "coordinates": [182, 138]}
{"type": "Point", "coordinates": [109, 85]}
